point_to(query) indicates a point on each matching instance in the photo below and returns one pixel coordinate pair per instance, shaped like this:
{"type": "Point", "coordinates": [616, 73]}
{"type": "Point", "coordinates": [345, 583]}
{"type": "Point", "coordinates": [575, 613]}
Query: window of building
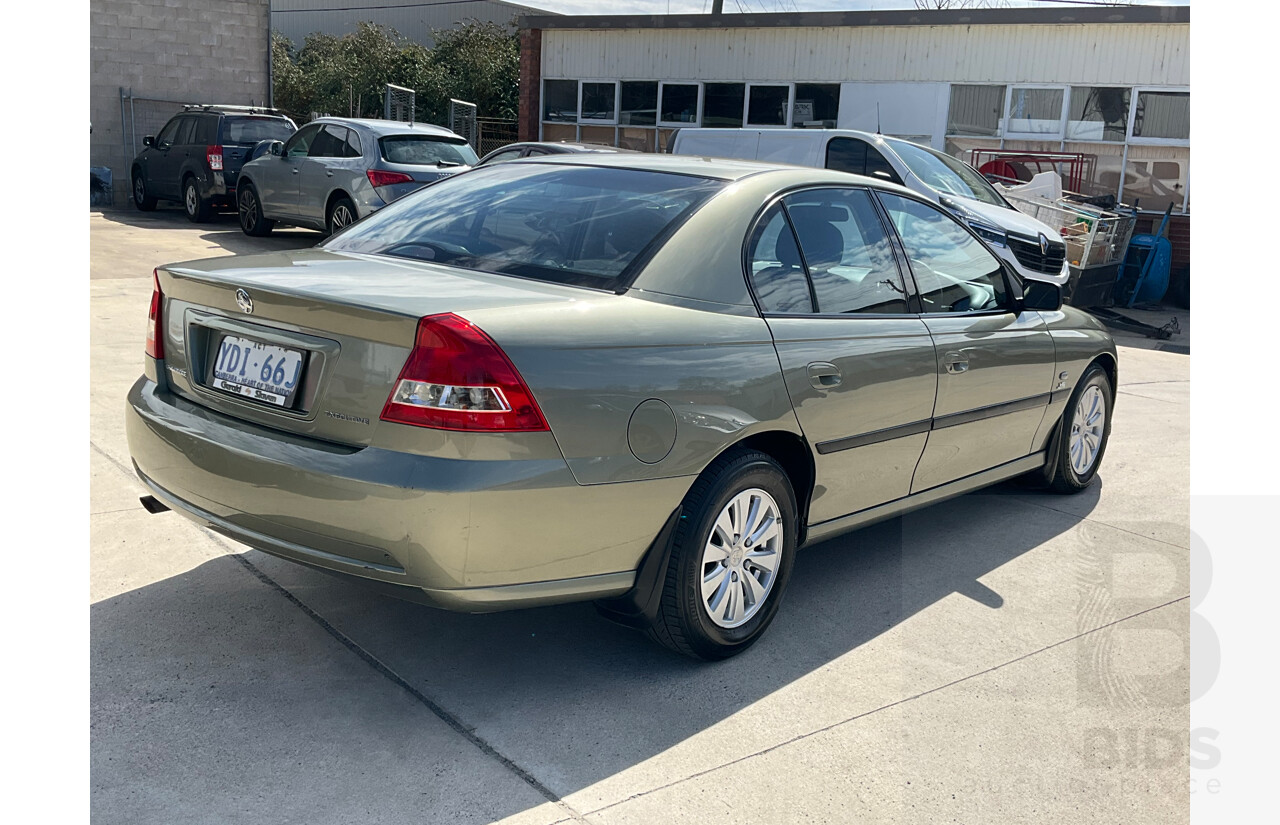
{"type": "Point", "coordinates": [560, 100]}
{"type": "Point", "coordinates": [975, 110]}
{"type": "Point", "coordinates": [768, 105]}
{"type": "Point", "coordinates": [1035, 111]}
{"type": "Point", "coordinates": [599, 101]}
{"type": "Point", "coordinates": [1098, 113]}
{"type": "Point", "coordinates": [1164, 115]}
{"type": "Point", "coordinates": [722, 104]}
{"type": "Point", "coordinates": [639, 103]}
{"type": "Point", "coordinates": [815, 103]}
{"type": "Point", "coordinates": [680, 103]}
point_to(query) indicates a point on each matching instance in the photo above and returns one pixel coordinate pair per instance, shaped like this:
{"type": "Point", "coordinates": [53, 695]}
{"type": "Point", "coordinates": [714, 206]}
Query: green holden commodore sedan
{"type": "Point", "coordinates": [644, 380]}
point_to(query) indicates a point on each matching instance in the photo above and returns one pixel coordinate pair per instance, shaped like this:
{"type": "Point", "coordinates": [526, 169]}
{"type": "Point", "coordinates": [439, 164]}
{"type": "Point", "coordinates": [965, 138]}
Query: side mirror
{"type": "Point", "coordinates": [149, 140]}
{"type": "Point", "coordinates": [277, 148]}
{"type": "Point", "coordinates": [1042, 296]}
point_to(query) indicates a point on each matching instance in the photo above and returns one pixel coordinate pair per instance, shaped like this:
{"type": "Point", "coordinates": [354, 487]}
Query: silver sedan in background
{"type": "Point", "coordinates": [335, 171]}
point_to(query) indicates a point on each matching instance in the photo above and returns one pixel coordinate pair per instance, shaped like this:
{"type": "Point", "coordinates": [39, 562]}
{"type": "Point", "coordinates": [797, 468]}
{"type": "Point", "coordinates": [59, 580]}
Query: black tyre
{"type": "Point", "coordinates": [1085, 428]}
{"type": "Point", "coordinates": [142, 198]}
{"type": "Point", "coordinates": [250, 209]}
{"type": "Point", "coordinates": [198, 209]}
{"type": "Point", "coordinates": [341, 215]}
{"type": "Point", "coordinates": [731, 558]}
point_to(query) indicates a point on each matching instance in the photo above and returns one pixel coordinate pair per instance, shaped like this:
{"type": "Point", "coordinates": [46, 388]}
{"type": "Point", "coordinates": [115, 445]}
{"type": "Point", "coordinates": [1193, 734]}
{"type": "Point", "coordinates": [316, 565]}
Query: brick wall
{"type": "Point", "coordinates": [197, 51]}
{"type": "Point", "coordinates": [530, 82]}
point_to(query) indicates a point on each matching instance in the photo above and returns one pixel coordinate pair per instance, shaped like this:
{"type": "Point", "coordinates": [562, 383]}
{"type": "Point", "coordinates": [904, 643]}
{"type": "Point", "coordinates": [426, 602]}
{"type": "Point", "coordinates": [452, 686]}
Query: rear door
{"type": "Point", "coordinates": [995, 366]}
{"type": "Point", "coordinates": [858, 362]}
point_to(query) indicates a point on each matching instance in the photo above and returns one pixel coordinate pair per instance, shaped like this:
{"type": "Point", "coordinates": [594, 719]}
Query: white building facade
{"type": "Point", "coordinates": [1109, 85]}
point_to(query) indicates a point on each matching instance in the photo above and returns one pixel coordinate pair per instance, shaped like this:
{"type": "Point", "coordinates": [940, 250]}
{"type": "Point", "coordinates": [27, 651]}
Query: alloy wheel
{"type": "Point", "coordinates": [342, 217]}
{"type": "Point", "coordinates": [139, 189]}
{"type": "Point", "coordinates": [740, 560]}
{"type": "Point", "coordinates": [192, 199]}
{"type": "Point", "coordinates": [248, 209]}
{"type": "Point", "coordinates": [1087, 425]}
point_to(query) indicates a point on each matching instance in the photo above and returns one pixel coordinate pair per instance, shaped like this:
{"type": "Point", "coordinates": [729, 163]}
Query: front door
{"type": "Point", "coordinates": [859, 365]}
{"type": "Point", "coordinates": [995, 366]}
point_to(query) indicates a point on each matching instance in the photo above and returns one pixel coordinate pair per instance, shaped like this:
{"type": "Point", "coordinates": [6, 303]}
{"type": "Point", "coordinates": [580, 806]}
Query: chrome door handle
{"type": "Point", "coordinates": [824, 376]}
{"type": "Point", "coordinates": [328, 174]}
{"type": "Point", "coordinates": [295, 171]}
{"type": "Point", "coordinates": [957, 367]}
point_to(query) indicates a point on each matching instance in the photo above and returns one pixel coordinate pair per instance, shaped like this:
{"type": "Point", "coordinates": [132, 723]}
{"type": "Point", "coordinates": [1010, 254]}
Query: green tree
{"type": "Point", "coordinates": [481, 64]}
{"type": "Point", "coordinates": [347, 76]}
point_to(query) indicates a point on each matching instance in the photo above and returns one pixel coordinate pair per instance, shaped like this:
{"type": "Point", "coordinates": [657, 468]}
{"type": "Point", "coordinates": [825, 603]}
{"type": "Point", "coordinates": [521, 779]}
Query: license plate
{"type": "Point", "coordinates": [252, 369]}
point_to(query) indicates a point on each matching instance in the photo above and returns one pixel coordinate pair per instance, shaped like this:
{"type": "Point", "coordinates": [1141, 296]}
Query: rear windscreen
{"type": "Point", "coordinates": [424, 150]}
{"type": "Point", "coordinates": [254, 129]}
{"type": "Point", "coordinates": [580, 225]}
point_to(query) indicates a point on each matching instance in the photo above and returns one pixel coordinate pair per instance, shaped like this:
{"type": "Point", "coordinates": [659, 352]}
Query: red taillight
{"type": "Point", "coordinates": [380, 178]}
{"type": "Point", "coordinates": [457, 378]}
{"type": "Point", "coordinates": [213, 154]}
{"type": "Point", "coordinates": [155, 319]}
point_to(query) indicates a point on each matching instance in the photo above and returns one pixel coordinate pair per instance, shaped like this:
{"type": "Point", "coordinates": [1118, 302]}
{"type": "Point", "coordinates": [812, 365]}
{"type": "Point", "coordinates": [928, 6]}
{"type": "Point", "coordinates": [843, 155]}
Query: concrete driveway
{"type": "Point", "coordinates": [1009, 656]}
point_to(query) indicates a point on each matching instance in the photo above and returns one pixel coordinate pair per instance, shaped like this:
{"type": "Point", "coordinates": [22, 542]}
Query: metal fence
{"type": "Point", "coordinates": [399, 103]}
{"type": "Point", "coordinates": [462, 121]}
{"type": "Point", "coordinates": [139, 117]}
{"type": "Point", "coordinates": [492, 133]}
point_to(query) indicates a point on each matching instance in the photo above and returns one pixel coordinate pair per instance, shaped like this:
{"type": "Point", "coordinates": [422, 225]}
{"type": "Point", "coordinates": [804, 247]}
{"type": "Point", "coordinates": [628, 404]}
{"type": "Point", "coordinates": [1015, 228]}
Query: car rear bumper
{"type": "Point", "coordinates": [454, 533]}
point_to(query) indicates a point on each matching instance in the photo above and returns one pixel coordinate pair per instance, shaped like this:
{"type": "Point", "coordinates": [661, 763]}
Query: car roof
{"type": "Point", "coordinates": [569, 146]}
{"type": "Point", "coordinates": [719, 168]}
{"type": "Point", "coordinates": [389, 127]}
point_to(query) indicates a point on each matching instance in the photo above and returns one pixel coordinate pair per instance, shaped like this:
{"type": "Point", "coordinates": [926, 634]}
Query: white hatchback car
{"type": "Point", "coordinates": [1034, 249]}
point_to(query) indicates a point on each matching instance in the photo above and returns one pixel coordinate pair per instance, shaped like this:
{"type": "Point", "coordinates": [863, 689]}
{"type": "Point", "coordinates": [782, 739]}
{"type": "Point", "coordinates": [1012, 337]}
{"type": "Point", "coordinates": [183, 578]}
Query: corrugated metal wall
{"type": "Point", "coordinates": [296, 19]}
{"type": "Point", "coordinates": [1121, 54]}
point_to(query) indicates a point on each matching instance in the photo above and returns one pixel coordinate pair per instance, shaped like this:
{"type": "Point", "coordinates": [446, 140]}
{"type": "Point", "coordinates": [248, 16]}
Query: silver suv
{"type": "Point", "coordinates": [335, 171]}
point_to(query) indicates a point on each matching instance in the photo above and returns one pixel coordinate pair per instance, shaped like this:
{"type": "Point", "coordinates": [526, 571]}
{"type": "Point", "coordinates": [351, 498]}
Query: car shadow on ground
{"type": "Point", "coordinates": [189, 669]}
{"type": "Point", "coordinates": [222, 229]}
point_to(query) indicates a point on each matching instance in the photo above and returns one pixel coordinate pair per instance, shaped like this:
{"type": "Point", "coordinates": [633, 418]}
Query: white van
{"type": "Point", "coordinates": [1034, 249]}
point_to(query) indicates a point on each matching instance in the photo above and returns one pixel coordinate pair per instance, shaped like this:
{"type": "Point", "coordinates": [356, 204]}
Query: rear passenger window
{"type": "Point", "coordinates": [777, 273]}
{"type": "Point", "coordinates": [206, 131]}
{"type": "Point", "coordinates": [953, 270]}
{"type": "Point", "coordinates": [330, 143]}
{"type": "Point", "coordinates": [847, 252]}
{"type": "Point", "coordinates": [859, 158]}
{"type": "Point", "coordinates": [185, 130]}
{"type": "Point", "coordinates": [353, 145]}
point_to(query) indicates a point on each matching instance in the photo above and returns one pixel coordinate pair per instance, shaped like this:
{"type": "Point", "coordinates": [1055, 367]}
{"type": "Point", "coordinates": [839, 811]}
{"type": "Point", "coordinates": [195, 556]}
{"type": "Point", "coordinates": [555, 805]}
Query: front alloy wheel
{"type": "Point", "coordinates": [1085, 428]}
{"type": "Point", "coordinates": [250, 210]}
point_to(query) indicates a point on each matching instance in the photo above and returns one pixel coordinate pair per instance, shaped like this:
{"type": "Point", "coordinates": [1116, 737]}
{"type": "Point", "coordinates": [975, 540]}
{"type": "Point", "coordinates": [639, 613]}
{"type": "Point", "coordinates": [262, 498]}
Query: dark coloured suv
{"type": "Point", "coordinates": [198, 154]}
